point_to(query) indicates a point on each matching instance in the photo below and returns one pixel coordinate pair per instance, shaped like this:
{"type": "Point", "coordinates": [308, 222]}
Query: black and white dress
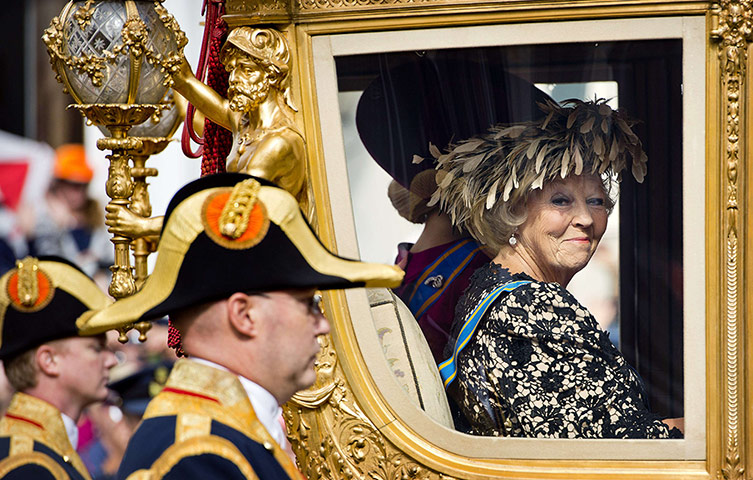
{"type": "Point", "coordinates": [539, 365]}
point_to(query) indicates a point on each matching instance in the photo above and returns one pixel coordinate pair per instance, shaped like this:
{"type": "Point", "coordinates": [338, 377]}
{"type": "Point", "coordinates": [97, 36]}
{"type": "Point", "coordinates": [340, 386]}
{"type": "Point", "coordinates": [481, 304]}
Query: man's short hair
{"type": "Point", "coordinates": [22, 371]}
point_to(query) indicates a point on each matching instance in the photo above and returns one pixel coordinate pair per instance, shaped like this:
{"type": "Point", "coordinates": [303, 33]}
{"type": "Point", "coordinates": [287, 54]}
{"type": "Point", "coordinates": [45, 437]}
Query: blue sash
{"type": "Point", "coordinates": [447, 369]}
{"type": "Point", "coordinates": [445, 269]}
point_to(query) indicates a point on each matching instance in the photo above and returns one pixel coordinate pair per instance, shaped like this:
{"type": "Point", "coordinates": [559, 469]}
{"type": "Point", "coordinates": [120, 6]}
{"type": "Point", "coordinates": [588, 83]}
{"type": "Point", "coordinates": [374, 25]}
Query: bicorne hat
{"type": "Point", "coordinates": [228, 233]}
{"type": "Point", "coordinates": [44, 299]}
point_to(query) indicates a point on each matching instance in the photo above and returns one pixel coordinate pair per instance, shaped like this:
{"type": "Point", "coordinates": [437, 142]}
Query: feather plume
{"type": "Point", "coordinates": [540, 157]}
{"type": "Point", "coordinates": [565, 163]}
{"type": "Point", "coordinates": [434, 150]}
{"type": "Point", "coordinates": [491, 198]}
{"type": "Point", "coordinates": [578, 159]}
{"type": "Point", "coordinates": [467, 146]}
{"type": "Point", "coordinates": [576, 137]}
{"type": "Point", "coordinates": [587, 125]}
{"type": "Point", "coordinates": [539, 182]}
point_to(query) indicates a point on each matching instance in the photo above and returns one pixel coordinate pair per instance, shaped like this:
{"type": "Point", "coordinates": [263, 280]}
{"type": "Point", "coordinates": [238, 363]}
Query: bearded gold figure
{"type": "Point", "coordinates": [266, 142]}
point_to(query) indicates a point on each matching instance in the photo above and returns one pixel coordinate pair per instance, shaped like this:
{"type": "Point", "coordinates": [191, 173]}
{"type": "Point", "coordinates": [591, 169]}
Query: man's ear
{"type": "Point", "coordinates": [243, 314]}
{"type": "Point", "coordinates": [48, 362]}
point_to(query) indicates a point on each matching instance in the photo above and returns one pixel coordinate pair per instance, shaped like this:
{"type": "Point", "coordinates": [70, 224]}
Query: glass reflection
{"type": "Point", "coordinates": [638, 267]}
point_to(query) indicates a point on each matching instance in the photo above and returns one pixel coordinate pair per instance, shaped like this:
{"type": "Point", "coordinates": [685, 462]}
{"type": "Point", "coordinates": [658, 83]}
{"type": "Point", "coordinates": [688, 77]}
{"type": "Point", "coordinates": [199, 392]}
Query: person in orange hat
{"type": "Point", "coordinates": [68, 222]}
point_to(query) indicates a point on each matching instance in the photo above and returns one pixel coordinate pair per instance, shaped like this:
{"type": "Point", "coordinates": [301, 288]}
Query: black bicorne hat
{"type": "Point", "coordinates": [437, 99]}
{"type": "Point", "coordinates": [41, 300]}
{"type": "Point", "coordinates": [230, 233]}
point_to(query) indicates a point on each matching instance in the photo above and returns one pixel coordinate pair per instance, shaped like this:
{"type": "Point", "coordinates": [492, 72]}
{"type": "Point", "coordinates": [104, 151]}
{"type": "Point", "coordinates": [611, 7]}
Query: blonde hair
{"type": "Point", "coordinates": [494, 226]}
{"type": "Point", "coordinates": [22, 371]}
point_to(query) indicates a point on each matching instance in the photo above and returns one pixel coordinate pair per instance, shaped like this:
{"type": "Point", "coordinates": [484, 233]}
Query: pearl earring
{"type": "Point", "coordinates": [513, 241]}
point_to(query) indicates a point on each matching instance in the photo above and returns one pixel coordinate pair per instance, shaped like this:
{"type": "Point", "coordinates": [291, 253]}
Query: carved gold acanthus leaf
{"type": "Point", "coordinates": [254, 12]}
{"type": "Point", "coordinates": [117, 114]}
{"type": "Point", "coordinates": [732, 29]}
{"type": "Point", "coordinates": [333, 438]}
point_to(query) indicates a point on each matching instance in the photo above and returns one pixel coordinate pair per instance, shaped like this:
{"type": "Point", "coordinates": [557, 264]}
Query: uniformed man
{"type": "Point", "coordinates": [237, 270]}
{"type": "Point", "coordinates": [56, 372]}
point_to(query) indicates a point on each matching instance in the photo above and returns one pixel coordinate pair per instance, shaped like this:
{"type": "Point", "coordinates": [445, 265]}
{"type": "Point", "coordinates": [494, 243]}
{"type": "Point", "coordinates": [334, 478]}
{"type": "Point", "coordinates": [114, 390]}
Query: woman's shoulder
{"type": "Point", "coordinates": [530, 294]}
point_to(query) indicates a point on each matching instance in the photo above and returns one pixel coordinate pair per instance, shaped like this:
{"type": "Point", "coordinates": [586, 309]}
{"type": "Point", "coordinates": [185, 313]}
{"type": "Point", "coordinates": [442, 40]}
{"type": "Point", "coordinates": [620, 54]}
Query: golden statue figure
{"type": "Point", "coordinates": [266, 142]}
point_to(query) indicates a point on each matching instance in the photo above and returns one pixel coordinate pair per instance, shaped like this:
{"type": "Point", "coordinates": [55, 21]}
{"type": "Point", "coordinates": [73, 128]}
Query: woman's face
{"type": "Point", "coordinates": [566, 220]}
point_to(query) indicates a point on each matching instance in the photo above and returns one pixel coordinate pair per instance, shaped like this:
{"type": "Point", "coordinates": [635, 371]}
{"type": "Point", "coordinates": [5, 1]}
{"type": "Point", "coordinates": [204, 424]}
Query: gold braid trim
{"type": "Point", "coordinates": [202, 445]}
{"type": "Point", "coordinates": [32, 458]}
{"type": "Point", "coordinates": [28, 285]}
{"type": "Point", "coordinates": [234, 217]}
{"type": "Point", "coordinates": [185, 224]}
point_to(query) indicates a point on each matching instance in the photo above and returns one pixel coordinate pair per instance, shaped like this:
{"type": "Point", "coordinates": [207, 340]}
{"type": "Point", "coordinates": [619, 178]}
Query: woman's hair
{"type": "Point", "coordinates": [411, 203]}
{"type": "Point", "coordinates": [484, 182]}
{"type": "Point", "coordinates": [497, 224]}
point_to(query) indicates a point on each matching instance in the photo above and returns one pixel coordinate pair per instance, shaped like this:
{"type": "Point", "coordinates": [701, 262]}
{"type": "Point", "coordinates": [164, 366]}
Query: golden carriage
{"type": "Point", "coordinates": [679, 66]}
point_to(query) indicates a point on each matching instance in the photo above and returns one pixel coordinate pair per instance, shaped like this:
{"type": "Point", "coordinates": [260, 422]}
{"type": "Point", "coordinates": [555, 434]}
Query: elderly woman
{"type": "Point", "coordinates": [525, 358]}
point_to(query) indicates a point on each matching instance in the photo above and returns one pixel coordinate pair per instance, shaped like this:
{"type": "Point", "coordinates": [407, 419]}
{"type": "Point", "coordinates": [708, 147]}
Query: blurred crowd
{"type": "Point", "coordinates": [61, 218]}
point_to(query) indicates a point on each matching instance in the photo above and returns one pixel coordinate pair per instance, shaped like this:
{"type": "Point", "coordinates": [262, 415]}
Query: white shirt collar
{"type": "Point", "coordinates": [71, 429]}
{"type": "Point", "coordinates": [265, 405]}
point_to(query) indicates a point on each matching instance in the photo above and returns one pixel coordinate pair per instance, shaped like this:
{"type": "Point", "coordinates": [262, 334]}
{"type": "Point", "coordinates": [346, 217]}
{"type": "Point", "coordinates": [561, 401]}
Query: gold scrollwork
{"type": "Point", "coordinates": [732, 28]}
{"type": "Point", "coordinates": [333, 438]}
{"type": "Point", "coordinates": [135, 43]}
{"type": "Point", "coordinates": [84, 14]}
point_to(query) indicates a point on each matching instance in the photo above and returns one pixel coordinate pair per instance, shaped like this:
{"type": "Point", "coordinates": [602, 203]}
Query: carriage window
{"type": "Point", "coordinates": [636, 284]}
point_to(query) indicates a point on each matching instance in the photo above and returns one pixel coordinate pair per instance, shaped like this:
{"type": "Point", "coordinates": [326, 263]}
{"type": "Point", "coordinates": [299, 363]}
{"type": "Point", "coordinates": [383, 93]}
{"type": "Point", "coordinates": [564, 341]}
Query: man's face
{"type": "Point", "coordinates": [290, 324]}
{"type": "Point", "coordinates": [85, 363]}
{"type": "Point", "coordinates": [247, 84]}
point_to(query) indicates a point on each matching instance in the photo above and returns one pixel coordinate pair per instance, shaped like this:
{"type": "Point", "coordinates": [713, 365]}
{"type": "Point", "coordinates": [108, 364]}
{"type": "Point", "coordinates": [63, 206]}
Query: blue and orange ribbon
{"type": "Point", "coordinates": [447, 369]}
{"type": "Point", "coordinates": [449, 265]}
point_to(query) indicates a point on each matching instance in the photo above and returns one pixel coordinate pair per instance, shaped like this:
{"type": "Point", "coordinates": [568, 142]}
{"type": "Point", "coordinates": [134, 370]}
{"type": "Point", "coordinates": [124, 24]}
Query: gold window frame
{"type": "Point", "coordinates": [343, 427]}
{"type": "Point", "coordinates": [691, 31]}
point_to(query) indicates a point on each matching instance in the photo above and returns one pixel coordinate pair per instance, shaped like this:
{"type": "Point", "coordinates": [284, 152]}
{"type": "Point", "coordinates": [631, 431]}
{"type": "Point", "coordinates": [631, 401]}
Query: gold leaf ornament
{"type": "Point", "coordinates": [28, 284]}
{"type": "Point", "coordinates": [235, 215]}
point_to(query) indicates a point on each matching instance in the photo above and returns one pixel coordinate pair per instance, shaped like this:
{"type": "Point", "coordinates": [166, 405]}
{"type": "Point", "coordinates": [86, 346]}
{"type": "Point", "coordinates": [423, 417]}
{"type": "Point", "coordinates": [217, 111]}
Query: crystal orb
{"type": "Point", "coordinates": [115, 51]}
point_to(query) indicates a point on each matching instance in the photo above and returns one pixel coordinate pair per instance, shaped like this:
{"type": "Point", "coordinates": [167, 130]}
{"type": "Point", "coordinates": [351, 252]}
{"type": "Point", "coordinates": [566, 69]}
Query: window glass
{"type": "Point", "coordinates": [633, 285]}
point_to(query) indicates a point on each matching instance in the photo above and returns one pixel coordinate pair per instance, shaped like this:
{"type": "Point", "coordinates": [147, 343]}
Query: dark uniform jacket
{"type": "Point", "coordinates": [202, 426]}
{"type": "Point", "coordinates": [34, 443]}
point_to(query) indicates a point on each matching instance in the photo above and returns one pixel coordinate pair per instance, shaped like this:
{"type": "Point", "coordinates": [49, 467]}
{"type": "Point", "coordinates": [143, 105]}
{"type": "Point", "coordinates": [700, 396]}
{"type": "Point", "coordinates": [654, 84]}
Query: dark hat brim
{"type": "Point", "coordinates": [71, 297]}
{"type": "Point", "coordinates": [437, 98]}
{"type": "Point", "coordinates": [192, 267]}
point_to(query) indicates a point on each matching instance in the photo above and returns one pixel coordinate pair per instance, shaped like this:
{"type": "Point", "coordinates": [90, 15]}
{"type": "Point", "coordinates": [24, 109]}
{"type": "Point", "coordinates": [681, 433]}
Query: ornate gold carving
{"type": "Point", "coordinates": [266, 141]}
{"type": "Point", "coordinates": [84, 14]}
{"type": "Point", "coordinates": [28, 284]}
{"type": "Point", "coordinates": [234, 216]}
{"type": "Point", "coordinates": [171, 63]}
{"type": "Point", "coordinates": [141, 205]}
{"type": "Point", "coordinates": [732, 27]}
{"type": "Point", "coordinates": [135, 37]}
{"type": "Point", "coordinates": [119, 118]}
{"type": "Point", "coordinates": [333, 438]}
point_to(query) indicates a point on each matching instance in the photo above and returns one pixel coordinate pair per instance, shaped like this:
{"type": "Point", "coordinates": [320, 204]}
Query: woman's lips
{"type": "Point", "coordinates": [580, 240]}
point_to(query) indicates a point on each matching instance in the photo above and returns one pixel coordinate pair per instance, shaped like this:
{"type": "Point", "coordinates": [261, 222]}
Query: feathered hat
{"type": "Point", "coordinates": [228, 233]}
{"type": "Point", "coordinates": [509, 161]}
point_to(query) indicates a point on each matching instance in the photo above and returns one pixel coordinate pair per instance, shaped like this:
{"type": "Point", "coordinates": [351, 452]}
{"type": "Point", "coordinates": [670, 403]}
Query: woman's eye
{"type": "Point", "coordinates": [597, 202]}
{"type": "Point", "coordinates": [560, 201]}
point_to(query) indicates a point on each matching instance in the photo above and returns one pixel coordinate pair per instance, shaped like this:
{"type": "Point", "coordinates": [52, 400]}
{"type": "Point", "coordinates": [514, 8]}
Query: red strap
{"type": "Point", "coordinates": [190, 394]}
{"type": "Point", "coordinates": [24, 419]}
{"type": "Point", "coordinates": [214, 10]}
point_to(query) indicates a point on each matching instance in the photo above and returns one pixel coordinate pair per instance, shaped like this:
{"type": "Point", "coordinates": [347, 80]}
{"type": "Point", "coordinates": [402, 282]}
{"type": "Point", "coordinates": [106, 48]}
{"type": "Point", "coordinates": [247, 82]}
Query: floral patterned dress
{"type": "Point", "coordinates": [538, 365]}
